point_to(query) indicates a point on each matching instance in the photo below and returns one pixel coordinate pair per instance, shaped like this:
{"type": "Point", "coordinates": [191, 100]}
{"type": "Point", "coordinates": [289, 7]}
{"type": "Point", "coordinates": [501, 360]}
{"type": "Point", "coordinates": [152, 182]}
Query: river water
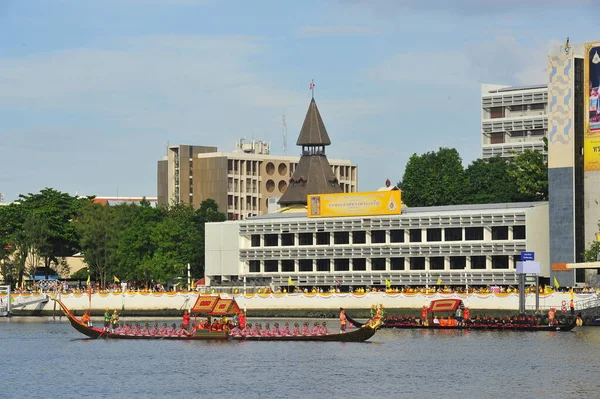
{"type": "Point", "coordinates": [46, 358]}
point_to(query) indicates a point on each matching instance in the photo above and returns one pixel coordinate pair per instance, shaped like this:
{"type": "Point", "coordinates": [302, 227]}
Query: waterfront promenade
{"type": "Point", "coordinates": [169, 301]}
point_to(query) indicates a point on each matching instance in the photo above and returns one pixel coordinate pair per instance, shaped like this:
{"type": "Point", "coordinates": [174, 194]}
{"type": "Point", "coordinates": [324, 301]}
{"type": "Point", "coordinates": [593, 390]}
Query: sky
{"type": "Point", "coordinates": [92, 92]}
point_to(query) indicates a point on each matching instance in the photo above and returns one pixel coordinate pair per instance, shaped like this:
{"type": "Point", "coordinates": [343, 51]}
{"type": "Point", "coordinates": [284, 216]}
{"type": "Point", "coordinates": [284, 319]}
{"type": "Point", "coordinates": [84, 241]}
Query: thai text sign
{"type": "Point", "coordinates": [591, 88]}
{"type": "Point", "coordinates": [354, 204]}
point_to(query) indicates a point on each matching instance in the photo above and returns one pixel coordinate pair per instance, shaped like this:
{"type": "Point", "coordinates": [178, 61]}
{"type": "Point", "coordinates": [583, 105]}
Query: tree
{"type": "Point", "coordinates": [529, 170]}
{"type": "Point", "coordinates": [136, 246]}
{"type": "Point", "coordinates": [434, 178]}
{"type": "Point", "coordinates": [593, 253]}
{"type": "Point", "coordinates": [489, 182]}
{"type": "Point", "coordinates": [94, 225]}
{"type": "Point", "coordinates": [57, 210]}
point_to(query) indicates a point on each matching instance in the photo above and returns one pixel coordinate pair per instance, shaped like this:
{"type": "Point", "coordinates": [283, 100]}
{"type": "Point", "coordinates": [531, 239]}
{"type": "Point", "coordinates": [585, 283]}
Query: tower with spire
{"type": "Point", "coordinates": [313, 174]}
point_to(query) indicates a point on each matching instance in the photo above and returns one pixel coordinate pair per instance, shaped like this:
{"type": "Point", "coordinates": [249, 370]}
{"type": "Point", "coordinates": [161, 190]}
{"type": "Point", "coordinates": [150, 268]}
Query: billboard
{"type": "Point", "coordinates": [354, 204]}
{"type": "Point", "coordinates": [591, 86]}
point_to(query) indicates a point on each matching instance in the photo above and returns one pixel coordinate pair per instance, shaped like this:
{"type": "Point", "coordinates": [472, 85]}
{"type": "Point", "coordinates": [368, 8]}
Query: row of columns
{"type": "Point", "coordinates": [487, 236]}
{"type": "Point", "coordinates": [388, 261]}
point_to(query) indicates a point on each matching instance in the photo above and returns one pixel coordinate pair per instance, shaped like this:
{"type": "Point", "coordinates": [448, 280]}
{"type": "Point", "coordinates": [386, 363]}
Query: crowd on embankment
{"type": "Point", "coordinates": [164, 303]}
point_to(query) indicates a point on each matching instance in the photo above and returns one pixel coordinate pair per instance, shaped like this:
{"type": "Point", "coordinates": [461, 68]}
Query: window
{"type": "Point", "coordinates": [378, 237]}
{"type": "Point", "coordinates": [305, 265]}
{"type": "Point", "coordinates": [323, 265]}
{"type": "Point", "coordinates": [453, 234]}
{"type": "Point", "coordinates": [397, 236]}
{"type": "Point", "coordinates": [474, 233]}
{"type": "Point", "coordinates": [305, 239]}
{"type": "Point", "coordinates": [434, 235]}
{"type": "Point", "coordinates": [287, 240]}
{"type": "Point", "coordinates": [378, 264]}
{"type": "Point", "coordinates": [396, 263]}
{"type": "Point", "coordinates": [417, 263]}
{"type": "Point", "coordinates": [518, 232]}
{"type": "Point", "coordinates": [478, 262]}
{"type": "Point", "coordinates": [499, 261]}
{"type": "Point", "coordinates": [496, 112]}
{"type": "Point", "coordinates": [359, 237]}
{"type": "Point", "coordinates": [323, 238]}
{"type": "Point", "coordinates": [359, 265]}
{"type": "Point", "coordinates": [436, 263]}
{"type": "Point", "coordinates": [287, 266]}
{"type": "Point", "coordinates": [499, 232]}
{"type": "Point", "coordinates": [341, 265]}
{"type": "Point", "coordinates": [341, 237]}
{"type": "Point", "coordinates": [458, 262]}
{"type": "Point", "coordinates": [496, 138]}
{"type": "Point", "coordinates": [271, 266]}
{"type": "Point", "coordinates": [255, 240]}
{"type": "Point", "coordinates": [271, 240]}
{"type": "Point", "coordinates": [416, 235]}
{"type": "Point", "coordinates": [254, 266]}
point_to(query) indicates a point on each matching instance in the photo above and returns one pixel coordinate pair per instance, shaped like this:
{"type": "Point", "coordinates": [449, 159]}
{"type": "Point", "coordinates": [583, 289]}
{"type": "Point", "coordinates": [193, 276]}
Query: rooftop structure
{"type": "Point", "coordinates": [313, 174]}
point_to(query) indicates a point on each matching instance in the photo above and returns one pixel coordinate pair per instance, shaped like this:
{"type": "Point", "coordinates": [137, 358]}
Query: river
{"type": "Point", "coordinates": [46, 358]}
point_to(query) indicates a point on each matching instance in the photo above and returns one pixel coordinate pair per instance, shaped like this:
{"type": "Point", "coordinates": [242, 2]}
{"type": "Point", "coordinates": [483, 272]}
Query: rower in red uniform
{"type": "Point", "coordinates": [324, 329]}
{"type": "Point", "coordinates": [296, 330]}
{"type": "Point", "coordinates": [275, 332]}
{"type": "Point", "coordinates": [305, 329]}
{"type": "Point", "coordinates": [285, 330]}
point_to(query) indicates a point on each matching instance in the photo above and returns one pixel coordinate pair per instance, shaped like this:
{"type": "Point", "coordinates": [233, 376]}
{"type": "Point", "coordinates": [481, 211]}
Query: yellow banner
{"type": "Point", "coordinates": [354, 204]}
{"type": "Point", "coordinates": [591, 154]}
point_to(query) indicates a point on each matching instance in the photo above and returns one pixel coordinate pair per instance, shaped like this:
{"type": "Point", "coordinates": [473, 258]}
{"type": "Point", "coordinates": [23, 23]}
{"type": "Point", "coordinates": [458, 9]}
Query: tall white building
{"type": "Point", "coordinates": [513, 119]}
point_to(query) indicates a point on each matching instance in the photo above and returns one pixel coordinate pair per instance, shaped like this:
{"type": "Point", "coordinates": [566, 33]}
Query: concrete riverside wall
{"type": "Point", "coordinates": [174, 301]}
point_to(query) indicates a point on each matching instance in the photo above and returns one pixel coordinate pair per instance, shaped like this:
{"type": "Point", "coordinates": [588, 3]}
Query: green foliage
{"type": "Point", "coordinates": [49, 213]}
{"type": "Point", "coordinates": [530, 173]}
{"type": "Point", "coordinates": [592, 254]}
{"type": "Point", "coordinates": [81, 274]}
{"type": "Point", "coordinates": [434, 178]}
{"type": "Point", "coordinates": [132, 242]}
{"type": "Point", "coordinates": [438, 178]}
{"type": "Point", "coordinates": [489, 182]}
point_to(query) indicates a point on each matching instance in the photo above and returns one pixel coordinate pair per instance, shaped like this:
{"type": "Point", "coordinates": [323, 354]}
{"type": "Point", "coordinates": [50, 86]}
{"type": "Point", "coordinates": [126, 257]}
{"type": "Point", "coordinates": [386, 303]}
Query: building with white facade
{"type": "Point", "coordinates": [460, 245]}
{"type": "Point", "coordinates": [513, 119]}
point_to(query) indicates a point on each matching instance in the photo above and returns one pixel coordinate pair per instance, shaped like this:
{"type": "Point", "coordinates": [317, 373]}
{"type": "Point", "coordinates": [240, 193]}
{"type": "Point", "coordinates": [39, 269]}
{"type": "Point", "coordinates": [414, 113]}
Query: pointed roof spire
{"type": "Point", "coordinates": [313, 130]}
{"type": "Point", "coordinates": [313, 175]}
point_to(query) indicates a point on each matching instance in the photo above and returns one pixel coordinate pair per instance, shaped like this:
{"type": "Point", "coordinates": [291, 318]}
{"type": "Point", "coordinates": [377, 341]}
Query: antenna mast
{"type": "Point", "coordinates": [284, 135]}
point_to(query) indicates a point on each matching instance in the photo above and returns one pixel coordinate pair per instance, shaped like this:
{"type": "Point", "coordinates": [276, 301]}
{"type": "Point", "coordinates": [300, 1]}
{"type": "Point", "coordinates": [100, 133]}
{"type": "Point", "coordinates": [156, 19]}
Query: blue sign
{"type": "Point", "coordinates": [527, 256]}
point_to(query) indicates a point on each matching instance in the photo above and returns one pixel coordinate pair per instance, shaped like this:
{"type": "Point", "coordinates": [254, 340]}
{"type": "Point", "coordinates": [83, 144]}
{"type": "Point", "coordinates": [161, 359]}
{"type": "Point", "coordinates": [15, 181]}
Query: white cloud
{"type": "Point", "coordinates": [500, 60]}
{"type": "Point", "coordinates": [319, 31]}
{"type": "Point", "coordinates": [434, 68]}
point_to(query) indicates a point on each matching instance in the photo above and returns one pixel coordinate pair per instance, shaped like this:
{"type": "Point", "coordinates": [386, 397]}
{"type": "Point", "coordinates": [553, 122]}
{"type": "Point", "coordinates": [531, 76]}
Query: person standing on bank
{"type": "Point", "coordinates": [342, 321]}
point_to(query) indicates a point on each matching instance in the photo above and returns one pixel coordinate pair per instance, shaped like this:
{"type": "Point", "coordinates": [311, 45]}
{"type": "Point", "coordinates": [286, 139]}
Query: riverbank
{"type": "Point", "coordinates": [287, 305]}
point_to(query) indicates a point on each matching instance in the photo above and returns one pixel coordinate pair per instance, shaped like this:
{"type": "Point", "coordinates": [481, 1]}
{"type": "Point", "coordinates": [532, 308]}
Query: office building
{"type": "Point", "coordinates": [513, 119]}
{"type": "Point", "coordinates": [246, 182]}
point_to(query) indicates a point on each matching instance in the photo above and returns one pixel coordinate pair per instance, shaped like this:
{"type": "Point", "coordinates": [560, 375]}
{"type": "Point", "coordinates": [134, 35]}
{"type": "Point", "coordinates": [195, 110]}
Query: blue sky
{"type": "Point", "coordinates": [91, 92]}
